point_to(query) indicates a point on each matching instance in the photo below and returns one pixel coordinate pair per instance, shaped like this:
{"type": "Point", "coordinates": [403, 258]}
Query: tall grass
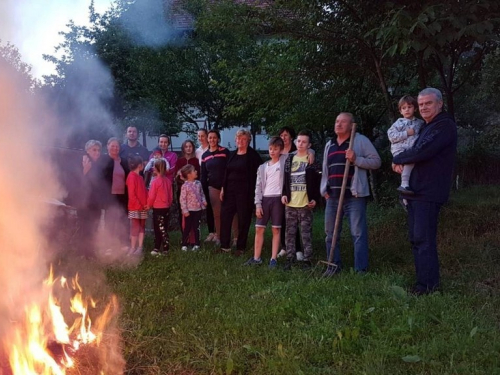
{"type": "Point", "coordinates": [206, 313]}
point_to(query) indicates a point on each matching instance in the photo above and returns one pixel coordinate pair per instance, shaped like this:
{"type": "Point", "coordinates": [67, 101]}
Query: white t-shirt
{"type": "Point", "coordinates": [273, 186]}
{"type": "Point", "coordinates": [199, 152]}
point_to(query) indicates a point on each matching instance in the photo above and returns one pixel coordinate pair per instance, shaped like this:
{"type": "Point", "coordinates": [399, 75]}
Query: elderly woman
{"type": "Point", "coordinates": [115, 171]}
{"type": "Point", "coordinates": [91, 192]}
{"type": "Point", "coordinates": [238, 190]}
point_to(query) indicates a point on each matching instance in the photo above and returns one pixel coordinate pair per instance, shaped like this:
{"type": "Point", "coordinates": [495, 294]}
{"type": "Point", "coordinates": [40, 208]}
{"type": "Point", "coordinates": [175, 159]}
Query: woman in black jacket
{"type": "Point", "coordinates": [238, 190]}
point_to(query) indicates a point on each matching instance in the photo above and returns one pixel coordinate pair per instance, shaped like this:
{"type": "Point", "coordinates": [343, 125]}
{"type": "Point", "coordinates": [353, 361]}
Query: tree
{"type": "Point", "coordinates": [11, 59]}
{"type": "Point", "coordinates": [451, 37]}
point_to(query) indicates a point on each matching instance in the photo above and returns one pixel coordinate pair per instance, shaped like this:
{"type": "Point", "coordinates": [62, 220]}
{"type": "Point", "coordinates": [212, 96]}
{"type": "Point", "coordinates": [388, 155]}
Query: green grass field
{"type": "Point", "coordinates": [206, 313]}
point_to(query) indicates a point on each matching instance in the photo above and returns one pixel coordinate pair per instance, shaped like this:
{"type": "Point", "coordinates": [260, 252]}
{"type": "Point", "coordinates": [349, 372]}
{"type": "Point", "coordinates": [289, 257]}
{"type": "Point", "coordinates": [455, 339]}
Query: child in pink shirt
{"type": "Point", "coordinates": [137, 201]}
{"type": "Point", "coordinates": [160, 199]}
{"type": "Point", "coordinates": [192, 201]}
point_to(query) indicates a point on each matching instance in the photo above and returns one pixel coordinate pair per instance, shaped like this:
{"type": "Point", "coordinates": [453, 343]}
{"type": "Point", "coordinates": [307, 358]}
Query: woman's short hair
{"type": "Point", "coordinates": [112, 139]}
{"type": "Point", "coordinates": [92, 143]}
{"type": "Point", "coordinates": [243, 132]}
{"type": "Point", "coordinates": [287, 129]}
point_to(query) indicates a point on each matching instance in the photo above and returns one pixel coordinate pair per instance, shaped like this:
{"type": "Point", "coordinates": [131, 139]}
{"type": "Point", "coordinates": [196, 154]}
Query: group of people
{"type": "Point", "coordinates": [283, 190]}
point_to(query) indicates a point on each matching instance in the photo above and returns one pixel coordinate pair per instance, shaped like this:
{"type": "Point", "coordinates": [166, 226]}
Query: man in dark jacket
{"type": "Point", "coordinates": [133, 147]}
{"type": "Point", "coordinates": [434, 156]}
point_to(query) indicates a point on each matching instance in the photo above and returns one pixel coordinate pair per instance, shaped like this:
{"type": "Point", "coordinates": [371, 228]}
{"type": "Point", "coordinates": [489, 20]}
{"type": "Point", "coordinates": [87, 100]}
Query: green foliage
{"type": "Point", "coordinates": [11, 62]}
{"type": "Point", "coordinates": [448, 37]}
{"type": "Point", "coordinates": [207, 313]}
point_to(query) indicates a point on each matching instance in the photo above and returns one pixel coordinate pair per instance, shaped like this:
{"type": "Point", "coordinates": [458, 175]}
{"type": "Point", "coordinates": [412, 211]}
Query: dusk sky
{"type": "Point", "coordinates": [33, 26]}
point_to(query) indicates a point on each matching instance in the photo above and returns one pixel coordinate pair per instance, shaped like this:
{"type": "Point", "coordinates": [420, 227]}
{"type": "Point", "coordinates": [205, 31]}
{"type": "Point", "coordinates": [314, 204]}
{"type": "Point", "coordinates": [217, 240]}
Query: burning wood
{"type": "Point", "coordinates": [43, 343]}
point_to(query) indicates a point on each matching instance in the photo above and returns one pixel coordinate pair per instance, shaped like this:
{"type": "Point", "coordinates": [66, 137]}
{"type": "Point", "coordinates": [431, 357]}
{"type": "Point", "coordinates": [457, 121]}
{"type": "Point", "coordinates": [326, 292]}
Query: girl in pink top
{"type": "Point", "coordinates": [137, 204]}
{"type": "Point", "coordinates": [192, 201]}
{"type": "Point", "coordinates": [160, 199]}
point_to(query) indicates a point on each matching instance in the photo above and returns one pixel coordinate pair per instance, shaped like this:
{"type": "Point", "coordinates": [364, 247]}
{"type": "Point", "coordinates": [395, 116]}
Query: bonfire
{"type": "Point", "coordinates": [67, 333]}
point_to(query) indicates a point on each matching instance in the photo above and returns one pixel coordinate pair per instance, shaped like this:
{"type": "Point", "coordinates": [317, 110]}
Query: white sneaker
{"type": "Point", "coordinates": [300, 256]}
{"type": "Point", "coordinates": [282, 253]}
{"type": "Point", "coordinates": [155, 252]}
{"type": "Point", "coordinates": [184, 248]}
{"type": "Point", "coordinates": [195, 248]}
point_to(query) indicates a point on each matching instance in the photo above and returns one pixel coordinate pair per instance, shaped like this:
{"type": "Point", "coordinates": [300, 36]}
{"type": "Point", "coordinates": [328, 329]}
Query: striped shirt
{"type": "Point", "coordinates": [213, 167]}
{"type": "Point", "coordinates": [336, 167]}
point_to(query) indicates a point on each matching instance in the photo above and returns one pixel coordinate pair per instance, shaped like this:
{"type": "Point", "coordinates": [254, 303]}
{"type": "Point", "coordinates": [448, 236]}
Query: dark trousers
{"type": "Point", "coordinates": [160, 225]}
{"type": "Point", "coordinates": [209, 213]}
{"type": "Point", "coordinates": [116, 221]}
{"type": "Point", "coordinates": [192, 223]}
{"type": "Point", "coordinates": [240, 204]}
{"type": "Point", "coordinates": [88, 222]}
{"type": "Point", "coordinates": [423, 222]}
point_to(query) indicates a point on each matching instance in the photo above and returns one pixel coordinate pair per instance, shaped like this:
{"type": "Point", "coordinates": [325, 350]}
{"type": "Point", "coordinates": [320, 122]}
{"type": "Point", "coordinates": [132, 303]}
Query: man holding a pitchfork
{"type": "Point", "coordinates": [348, 189]}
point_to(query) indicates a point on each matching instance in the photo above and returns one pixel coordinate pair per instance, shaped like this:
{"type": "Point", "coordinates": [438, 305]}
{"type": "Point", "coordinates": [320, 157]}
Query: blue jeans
{"type": "Point", "coordinates": [423, 223]}
{"type": "Point", "coordinates": [355, 211]}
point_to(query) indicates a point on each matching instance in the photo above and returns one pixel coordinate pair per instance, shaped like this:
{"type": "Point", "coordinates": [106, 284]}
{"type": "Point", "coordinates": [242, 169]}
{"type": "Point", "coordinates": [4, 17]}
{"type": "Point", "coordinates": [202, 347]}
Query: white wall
{"type": "Point", "coordinates": [227, 140]}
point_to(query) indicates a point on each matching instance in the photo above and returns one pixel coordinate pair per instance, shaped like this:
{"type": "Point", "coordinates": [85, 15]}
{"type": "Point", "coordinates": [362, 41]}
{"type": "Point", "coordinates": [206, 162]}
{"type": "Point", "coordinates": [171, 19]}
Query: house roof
{"type": "Point", "coordinates": [183, 20]}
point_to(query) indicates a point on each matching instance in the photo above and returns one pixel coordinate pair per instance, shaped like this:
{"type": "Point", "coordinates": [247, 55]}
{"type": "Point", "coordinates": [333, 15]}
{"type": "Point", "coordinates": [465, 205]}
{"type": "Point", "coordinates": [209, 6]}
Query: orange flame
{"type": "Point", "coordinates": [45, 325]}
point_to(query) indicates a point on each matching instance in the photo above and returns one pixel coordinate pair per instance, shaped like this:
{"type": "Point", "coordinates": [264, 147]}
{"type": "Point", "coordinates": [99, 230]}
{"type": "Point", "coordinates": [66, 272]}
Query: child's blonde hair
{"type": "Point", "coordinates": [160, 166]}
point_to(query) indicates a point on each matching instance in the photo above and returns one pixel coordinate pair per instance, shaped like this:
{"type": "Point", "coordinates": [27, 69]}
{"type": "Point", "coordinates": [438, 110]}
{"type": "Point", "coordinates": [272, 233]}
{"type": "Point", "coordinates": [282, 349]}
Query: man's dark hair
{"type": "Point", "coordinates": [276, 141]}
{"type": "Point", "coordinates": [287, 129]}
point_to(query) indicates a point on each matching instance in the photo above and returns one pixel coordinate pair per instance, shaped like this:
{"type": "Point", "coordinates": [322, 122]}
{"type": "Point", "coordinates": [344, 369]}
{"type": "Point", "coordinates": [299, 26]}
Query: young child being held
{"type": "Point", "coordinates": [193, 202]}
{"type": "Point", "coordinates": [160, 199]}
{"type": "Point", "coordinates": [268, 204]}
{"type": "Point", "coordinates": [137, 204]}
{"type": "Point", "coordinates": [403, 134]}
{"type": "Point", "coordinates": [149, 170]}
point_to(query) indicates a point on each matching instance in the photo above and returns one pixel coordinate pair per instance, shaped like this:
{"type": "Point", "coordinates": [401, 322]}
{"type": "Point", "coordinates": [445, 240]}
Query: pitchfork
{"type": "Point", "coordinates": [332, 267]}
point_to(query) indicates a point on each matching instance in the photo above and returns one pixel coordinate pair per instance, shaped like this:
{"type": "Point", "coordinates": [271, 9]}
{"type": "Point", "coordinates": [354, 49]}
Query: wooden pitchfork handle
{"type": "Point", "coordinates": [341, 199]}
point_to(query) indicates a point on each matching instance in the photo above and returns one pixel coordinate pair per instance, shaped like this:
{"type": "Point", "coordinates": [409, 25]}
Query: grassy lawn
{"type": "Point", "coordinates": [206, 313]}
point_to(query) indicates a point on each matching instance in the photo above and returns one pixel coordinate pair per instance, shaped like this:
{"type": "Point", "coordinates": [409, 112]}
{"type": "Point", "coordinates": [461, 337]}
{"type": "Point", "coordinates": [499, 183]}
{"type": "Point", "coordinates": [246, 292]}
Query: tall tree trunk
{"type": "Point", "coordinates": [422, 74]}
{"type": "Point", "coordinates": [383, 87]}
